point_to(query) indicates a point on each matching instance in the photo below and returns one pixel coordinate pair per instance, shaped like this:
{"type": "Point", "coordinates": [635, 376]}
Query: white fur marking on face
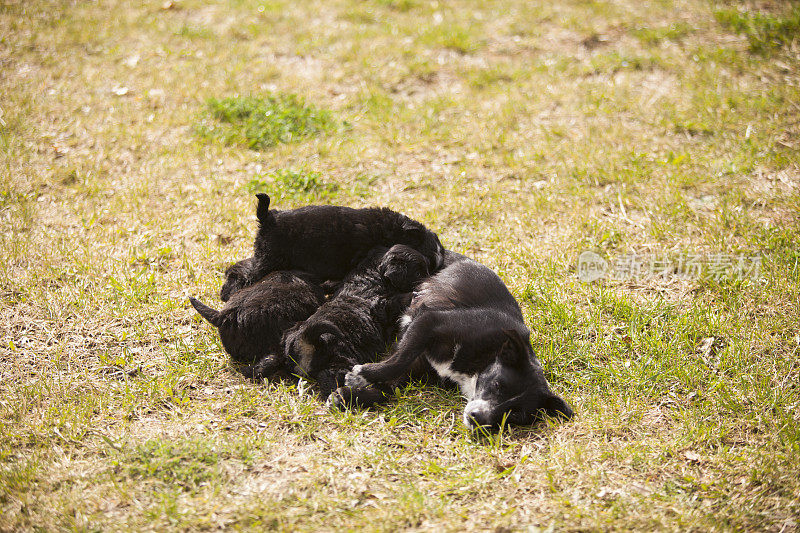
{"type": "Point", "coordinates": [465, 382]}
{"type": "Point", "coordinates": [473, 406]}
{"type": "Point", "coordinates": [405, 320]}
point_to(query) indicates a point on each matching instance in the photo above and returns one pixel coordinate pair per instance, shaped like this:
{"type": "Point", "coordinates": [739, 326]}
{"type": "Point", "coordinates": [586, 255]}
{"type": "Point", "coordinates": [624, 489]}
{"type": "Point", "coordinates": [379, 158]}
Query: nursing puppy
{"type": "Point", "coordinates": [468, 327]}
{"type": "Point", "coordinates": [236, 277]}
{"type": "Point", "coordinates": [360, 320]}
{"type": "Point", "coordinates": [328, 241]}
{"type": "Point", "coordinates": [252, 323]}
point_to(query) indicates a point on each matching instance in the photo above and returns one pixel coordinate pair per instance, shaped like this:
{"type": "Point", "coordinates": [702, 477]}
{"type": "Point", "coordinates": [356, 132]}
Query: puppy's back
{"type": "Point", "coordinates": [253, 321]}
{"type": "Point", "coordinates": [330, 241]}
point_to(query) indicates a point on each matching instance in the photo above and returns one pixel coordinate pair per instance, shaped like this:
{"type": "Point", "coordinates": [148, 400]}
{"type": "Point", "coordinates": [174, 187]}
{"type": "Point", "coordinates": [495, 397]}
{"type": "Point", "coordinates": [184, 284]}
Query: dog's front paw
{"type": "Point", "coordinates": [354, 379]}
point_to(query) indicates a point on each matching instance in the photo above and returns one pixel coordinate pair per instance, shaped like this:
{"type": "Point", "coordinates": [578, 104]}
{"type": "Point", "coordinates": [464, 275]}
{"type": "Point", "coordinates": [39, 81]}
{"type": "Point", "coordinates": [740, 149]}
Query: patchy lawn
{"type": "Point", "coordinates": [132, 138]}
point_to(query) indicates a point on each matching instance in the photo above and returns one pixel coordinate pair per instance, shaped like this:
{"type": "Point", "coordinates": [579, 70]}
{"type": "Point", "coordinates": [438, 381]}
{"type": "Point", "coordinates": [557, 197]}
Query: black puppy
{"type": "Point", "coordinates": [469, 328]}
{"type": "Point", "coordinates": [327, 241]}
{"type": "Point", "coordinates": [360, 320]}
{"type": "Point", "coordinates": [236, 277]}
{"type": "Point", "coordinates": [252, 323]}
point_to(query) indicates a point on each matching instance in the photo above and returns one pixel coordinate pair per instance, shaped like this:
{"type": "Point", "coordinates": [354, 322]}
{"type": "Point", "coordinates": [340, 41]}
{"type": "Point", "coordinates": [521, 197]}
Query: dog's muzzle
{"type": "Point", "coordinates": [478, 413]}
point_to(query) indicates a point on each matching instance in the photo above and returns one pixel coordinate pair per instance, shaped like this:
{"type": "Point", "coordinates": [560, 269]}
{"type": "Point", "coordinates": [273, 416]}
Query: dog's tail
{"type": "Point", "coordinates": [263, 206]}
{"type": "Point", "coordinates": [212, 315]}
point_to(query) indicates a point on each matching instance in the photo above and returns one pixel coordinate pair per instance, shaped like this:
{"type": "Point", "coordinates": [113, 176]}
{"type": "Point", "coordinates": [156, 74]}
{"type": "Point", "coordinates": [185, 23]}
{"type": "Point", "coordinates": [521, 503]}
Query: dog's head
{"type": "Point", "coordinates": [310, 344]}
{"type": "Point", "coordinates": [513, 387]}
{"type": "Point", "coordinates": [237, 339]}
{"type": "Point", "coordinates": [403, 267]}
{"type": "Point", "coordinates": [425, 241]}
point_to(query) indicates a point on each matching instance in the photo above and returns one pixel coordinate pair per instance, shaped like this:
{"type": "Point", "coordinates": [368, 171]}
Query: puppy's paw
{"type": "Point", "coordinates": [354, 379]}
{"type": "Point", "coordinates": [338, 399]}
{"type": "Point", "coordinates": [265, 368]}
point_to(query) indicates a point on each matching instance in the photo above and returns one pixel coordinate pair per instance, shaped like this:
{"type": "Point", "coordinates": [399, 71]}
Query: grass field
{"type": "Point", "coordinates": [134, 134]}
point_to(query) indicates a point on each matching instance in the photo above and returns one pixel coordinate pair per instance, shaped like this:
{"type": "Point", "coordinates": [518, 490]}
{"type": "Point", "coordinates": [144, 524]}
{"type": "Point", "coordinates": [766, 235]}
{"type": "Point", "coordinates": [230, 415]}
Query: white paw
{"type": "Point", "coordinates": [332, 401]}
{"type": "Point", "coordinates": [354, 379]}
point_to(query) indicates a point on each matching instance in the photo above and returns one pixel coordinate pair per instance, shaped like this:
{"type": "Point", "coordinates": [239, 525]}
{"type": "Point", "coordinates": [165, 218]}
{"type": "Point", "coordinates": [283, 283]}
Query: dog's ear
{"type": "Point", "coordinates": [212, 315]}
{"type": "Point", "coordinates": [516, 338]}
{"type": "Point", "coordinates": [263, 206]}
{"type": "Point", "coordinates": [414, 230]}
{"type": "Point", "coordinates": [514, 349]}
{"type": "Point", "coordinates": [396, 274]}
{"type": "Point", "coordinates": [323, 333]}
{"type": "Point", "coordinates": [556, 407]}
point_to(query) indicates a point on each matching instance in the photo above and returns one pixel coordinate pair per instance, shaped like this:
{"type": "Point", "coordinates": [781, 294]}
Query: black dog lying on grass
{"type": "Point", "coordinates": [252, 323]}
{"type": "Point", "coordinates": [326, 241]}
{"type": "Point", "coordinates": [465, 324]}
{"type": "Point", "coordinates": [360, 320]}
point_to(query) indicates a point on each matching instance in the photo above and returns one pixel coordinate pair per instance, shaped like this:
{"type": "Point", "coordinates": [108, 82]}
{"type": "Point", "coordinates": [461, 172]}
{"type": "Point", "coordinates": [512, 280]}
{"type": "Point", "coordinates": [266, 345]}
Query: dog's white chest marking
{"type": "Point", "coordinates": [405, 320]}
{"type": "Point", "coordinates": [465, 381]}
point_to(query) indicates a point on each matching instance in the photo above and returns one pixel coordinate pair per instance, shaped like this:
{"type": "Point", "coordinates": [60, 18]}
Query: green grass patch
{"type": "Point", "coordinates": [288, 184]}
{"type": "Point", "coordinates": [260, 122]}
{"type": "Point", "coordinates": [173, 464]}
{"type": "Point", "coordinates": [399, 5]}
{"type": "Point", "coordinates": [655, 35]}
{"type": "Point", "coordinates": [615, 61]}
{"type": "Point", "coordinates": [451, 37]}
{"type": "Point", "coordinates": [765, 31]}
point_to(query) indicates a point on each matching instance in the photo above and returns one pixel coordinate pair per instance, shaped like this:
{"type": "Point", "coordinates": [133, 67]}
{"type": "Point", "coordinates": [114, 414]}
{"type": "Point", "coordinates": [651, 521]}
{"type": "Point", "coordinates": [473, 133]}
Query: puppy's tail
{"type": "Point", "coordinates": [212, 315]}
{"type": "Point", "coordinates": [263, 206]}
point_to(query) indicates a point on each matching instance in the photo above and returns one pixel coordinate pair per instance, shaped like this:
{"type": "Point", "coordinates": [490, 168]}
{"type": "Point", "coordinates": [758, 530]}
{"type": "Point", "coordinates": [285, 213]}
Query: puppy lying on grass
{"type": "Point", "coordinates": [465, 324]}
{"type": "Point", "coordinates": [327, 241]}
{"type": "Point", "coordinates": [360, 320]}
{"type": "Point", "coordinates": [252, 323]}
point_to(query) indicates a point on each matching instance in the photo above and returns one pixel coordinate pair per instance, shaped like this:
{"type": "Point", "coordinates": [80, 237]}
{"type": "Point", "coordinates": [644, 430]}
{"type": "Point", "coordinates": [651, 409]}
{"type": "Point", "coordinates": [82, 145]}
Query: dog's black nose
{"type": "Point", "coordinates": [477, 417]}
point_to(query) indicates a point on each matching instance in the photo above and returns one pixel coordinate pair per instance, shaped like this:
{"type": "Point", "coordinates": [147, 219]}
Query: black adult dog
{"type": "Point", "coordinates": [359, 321]}
{"type": "Point", "coordinates": [467, 326]}
{"type": "Point", "coordinates": [253, 322]}
{"type": "Point", "coordinates": [327, 241]}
